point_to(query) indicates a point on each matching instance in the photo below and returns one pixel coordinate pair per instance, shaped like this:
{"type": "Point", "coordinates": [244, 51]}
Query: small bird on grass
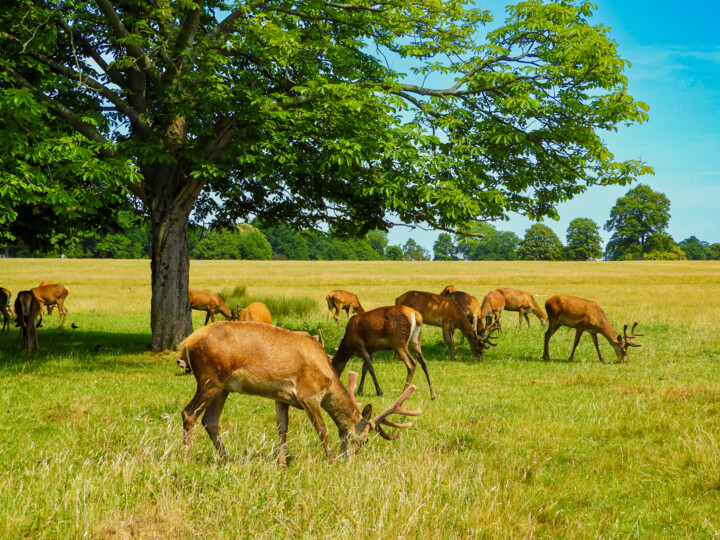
{"type": "Point", "coordinates": [95, 349]}
{"type": "Point", "coordinates": [74, 326]}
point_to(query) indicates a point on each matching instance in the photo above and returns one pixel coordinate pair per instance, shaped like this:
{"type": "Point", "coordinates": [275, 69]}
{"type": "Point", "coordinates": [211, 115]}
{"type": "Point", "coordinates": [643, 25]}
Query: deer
{"type": "Point", "coordinates": [52, 294]}
{"type": "Point", "coordinates": [444, 312]}
{"type": "Point", "coordinates": [524, 303]}
{"type": "Point", "coordinates": [492, 307]}
{"type": "Point", "coordinates": [27, 309]}
{"type": "Point", "coordinates": [585, 316]}
{"type": "Point", "coordinates": [7, 313]}
{"type": "Point", "coordinates": [394, 328]}
{"type": "Point", "coordinates": [210, 302]}
{"type": "Point", "coordinates": [49, 306]}
{"type": "Point", "coordinates": [342, 300]}
{"type": "Point", "coordinates": [255, 311]}
{"type": "Point", "coordinates": [468, 303]}
{"type": "Point", "coordinates": [290, 368]}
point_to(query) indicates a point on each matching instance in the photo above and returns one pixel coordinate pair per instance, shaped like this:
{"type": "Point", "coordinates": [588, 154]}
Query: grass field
{"type": "Point", "coordinates": [91, 442]}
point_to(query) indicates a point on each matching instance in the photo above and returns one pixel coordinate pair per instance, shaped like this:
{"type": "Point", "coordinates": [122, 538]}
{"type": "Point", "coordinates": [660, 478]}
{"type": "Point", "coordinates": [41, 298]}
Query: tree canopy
{"type": "Point", "coordinates": [495, 246]}
{"type": "Point", "coordinates": [290, 111]}
{"type": "Point", "coordinates": [540, 244]}
{"type": "Point", "coordinates": [636, 217]}
{"type": "Point", "coordinates": [583, 240]}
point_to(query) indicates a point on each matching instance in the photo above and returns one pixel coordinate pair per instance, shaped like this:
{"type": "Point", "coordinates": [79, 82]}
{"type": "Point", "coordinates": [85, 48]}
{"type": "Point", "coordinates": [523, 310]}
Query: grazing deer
{"type": "Point", "coordinates": [49, 306]}
{"type": "Point", "coordinates": [52, 294]}
{"type": "Point", "coordinates": [288, 367]}
{"type": "Point", "coordinates": [210, 302]}
{"type": "Point", "coordinates": [524, 303]}
{"type": "Point", "coordinates": [386, 328]}
{"type": "Point", "coordinates": [492, 307]}
{"type": "Point", "coordinates": [444, 312]}
{"type": "Point", "coordinates": [585, 316]}
{"type": "Point", "coordinates": [27, 309]}
{"type": "Point", "coordinates": [468, 303]}
{"type": "Point", "coordinates": [255, 311]}
{"type": "Point", "coordinates": [5, 307]}
{"type": "Point", "coordinates": [342, 300]}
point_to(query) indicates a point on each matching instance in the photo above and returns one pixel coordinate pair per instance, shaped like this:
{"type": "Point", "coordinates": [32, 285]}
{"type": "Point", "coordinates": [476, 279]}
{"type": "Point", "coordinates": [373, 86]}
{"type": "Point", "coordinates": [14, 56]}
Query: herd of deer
{"type": "Point", "coordinates": [293, 369]}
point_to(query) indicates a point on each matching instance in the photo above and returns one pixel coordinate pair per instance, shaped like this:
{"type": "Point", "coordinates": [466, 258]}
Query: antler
{"type": "Point", "coordinates": [352, 377]}
{"type": "Point", "coordinates": [394, 409]}
{"type": "Point", "coordinates": [631, 336]}
{"type": "Point", "coordinates": [488, 334]}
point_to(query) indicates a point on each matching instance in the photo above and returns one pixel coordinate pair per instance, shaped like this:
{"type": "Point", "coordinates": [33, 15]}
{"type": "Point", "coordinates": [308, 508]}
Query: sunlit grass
{"type": "Point", "coordinates": [91, 436]}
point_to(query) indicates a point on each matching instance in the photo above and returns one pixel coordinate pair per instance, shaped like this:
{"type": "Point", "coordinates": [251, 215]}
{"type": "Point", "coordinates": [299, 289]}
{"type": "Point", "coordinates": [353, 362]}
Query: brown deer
{"type": "Point", "coordinates": [444, 312]}
{"type": "Point", "coordinates": [7, 313]}
{"type": "Point", "coordinates": [386, 328]}
{"type": "Point", "coordinates": [255, 311]}
{"type": "Point", "coordinates": [342, 300]}
{"type": "Point", "coordinates": [524, 303]}
{"type": "Point", "coordinates": [468, 303]}
{"type": "Point", "coordinates": [27, 309]}
{"type": "Point", "coordinates": [285, 366]}
{"type": "Point", "coordinates": [492, 307]}
{"type": "Point", "coordinates": [210, 302]}
{"type": "Point", "coordinates": [49, 306]}
{"type": "Point", "coordinates": [49, 295]}
{"type": "Point", "coordinates": [585, 316]}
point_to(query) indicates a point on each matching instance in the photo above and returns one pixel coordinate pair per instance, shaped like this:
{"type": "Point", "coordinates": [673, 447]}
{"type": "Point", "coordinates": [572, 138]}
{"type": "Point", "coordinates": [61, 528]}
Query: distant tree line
{"type": "Point", "coordinates": [638, 224]}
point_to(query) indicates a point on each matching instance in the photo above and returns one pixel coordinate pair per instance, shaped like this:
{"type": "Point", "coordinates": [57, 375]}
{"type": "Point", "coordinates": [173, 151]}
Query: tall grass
{"type": "Point", "coordinates": [282, 307]}
{"type": "Point", "coordinates": [91, 437]}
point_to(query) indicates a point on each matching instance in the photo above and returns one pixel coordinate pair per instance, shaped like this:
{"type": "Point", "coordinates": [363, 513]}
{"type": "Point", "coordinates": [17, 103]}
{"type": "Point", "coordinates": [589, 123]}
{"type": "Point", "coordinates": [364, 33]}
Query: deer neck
{"type": "Point", "coordinates": [341, 358]}
{"type": "Point", "coordinates": [340, 406]}
{"type": "Point", "coordinates": [225, 311]}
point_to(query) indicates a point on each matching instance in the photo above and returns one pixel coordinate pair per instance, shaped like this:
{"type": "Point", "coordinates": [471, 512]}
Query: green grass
{"type": "Point", "coordinates": [91, 442]}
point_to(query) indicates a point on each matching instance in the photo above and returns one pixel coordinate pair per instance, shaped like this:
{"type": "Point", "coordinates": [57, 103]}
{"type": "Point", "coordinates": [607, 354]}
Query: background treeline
{"type": "Point", "coordinates": [638, 224]}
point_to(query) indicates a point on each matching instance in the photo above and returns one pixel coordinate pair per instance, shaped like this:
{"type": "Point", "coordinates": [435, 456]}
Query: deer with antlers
{"type": "Point", "coordinates": [255, 311]}
{"type": "Point", "coordinates": [524, 303]}
{"type": "Point", "coordinates": [210, 302]}
{"type": "Point", "coordinates": [342, 300]}
{"type": "Point", "coordinates": [52, 294]}
{"type": "Point", "coordinates": [585, 316]}
{"type": "Point", "coordinates": [444, 312]}
{"type": "Point", "coordinates": [27, 309]}
{"type": "Point", "coordinates": [467, 302]}
{"type": "Point", "coordinates": [288, 367]}
{"type": "Point", "coordinates": [7, 314]}
{"type": "Point", "coordinates": [394, 328]}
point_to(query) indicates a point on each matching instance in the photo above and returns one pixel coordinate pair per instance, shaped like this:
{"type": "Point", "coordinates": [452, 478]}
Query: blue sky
{"type": "Point", "coordinates": [674, 49]}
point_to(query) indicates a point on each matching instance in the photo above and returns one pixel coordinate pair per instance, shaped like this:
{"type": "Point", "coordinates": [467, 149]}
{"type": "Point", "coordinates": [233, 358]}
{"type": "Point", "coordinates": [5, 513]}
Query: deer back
{"type": "Point", "coordinates": [436, 310]}
{"type": "Point", "coordinates": [49, 293]}
{"type": "Point", "coordinates": [258, 359]}
{"type": "Point", "coordinates": [576, 312]}
{"type": "Point", "coordinates": [255, 311]}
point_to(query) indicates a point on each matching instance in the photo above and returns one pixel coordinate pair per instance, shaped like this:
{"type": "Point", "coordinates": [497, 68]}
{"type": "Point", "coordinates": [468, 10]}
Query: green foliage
{"type": "Point", "coordinates": [394, 253]}
{"type": "Point", "coordinates": [583, 240]}
{"type": "Point", "coordinates": [695, 249]}
{"type": "Point", "coordinates": [279, 306]}
{"type": "Point", "coordinates": [635, 218]}
{"type": "Point", "coordinates": [414, 251]}
{"type": "Point", "coordinates": [378, 241]}
{"type": "Point", "coordinates": [496, 246]}
{"type": "Point", "coordinates": [286, 243]}
{"type": "Point", "coordinates": [444, 249]}
{"type": "Point", "coordinates": [540, 244]}
{"type": "Point", "coordinates": [672, 253]}
{"type": "Point", "coordinates": [713, 252]}
{"type": "Point", "coordinates": [241, 242]}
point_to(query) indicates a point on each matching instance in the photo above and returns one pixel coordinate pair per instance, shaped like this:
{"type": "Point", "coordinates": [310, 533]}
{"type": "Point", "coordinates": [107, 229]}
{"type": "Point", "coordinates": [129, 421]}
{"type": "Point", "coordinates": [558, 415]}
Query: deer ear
{"type": "Point", "coordinates": [620, 339]}
{"type": "Point", "coordinates": [367, 412]}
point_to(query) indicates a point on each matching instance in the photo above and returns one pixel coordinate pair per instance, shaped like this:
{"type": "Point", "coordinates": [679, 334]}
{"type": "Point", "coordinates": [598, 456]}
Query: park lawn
{"type": "Point", "coordinates": [91, 434]}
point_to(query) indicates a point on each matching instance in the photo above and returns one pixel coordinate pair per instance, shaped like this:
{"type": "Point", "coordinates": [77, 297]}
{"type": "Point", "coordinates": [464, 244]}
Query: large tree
{"type": "Point", "coordinates": [583, 240]}
{"type": "Point", "coordinates": [289, 111]}
{"type": "Point", "coordinates": [635, 218]}
{"type": "Point", "coordinates": [495, 246]}
{"type": "Point", "coordinates": [540, 244]}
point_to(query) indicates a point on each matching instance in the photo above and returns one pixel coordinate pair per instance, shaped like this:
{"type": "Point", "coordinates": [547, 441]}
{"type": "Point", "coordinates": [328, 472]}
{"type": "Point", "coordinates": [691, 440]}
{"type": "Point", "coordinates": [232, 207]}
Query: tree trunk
{"type": "Point", "coordinates": [170, 317]}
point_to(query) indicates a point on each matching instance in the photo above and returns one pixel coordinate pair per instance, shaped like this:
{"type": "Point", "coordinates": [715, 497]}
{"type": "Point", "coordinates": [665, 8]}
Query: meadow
{"type": "Point", "coordinates": [91, 434]}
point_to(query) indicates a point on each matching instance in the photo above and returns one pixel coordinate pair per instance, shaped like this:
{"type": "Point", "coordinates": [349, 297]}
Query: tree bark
{"type": "Point", "coordinates": [170, 317]}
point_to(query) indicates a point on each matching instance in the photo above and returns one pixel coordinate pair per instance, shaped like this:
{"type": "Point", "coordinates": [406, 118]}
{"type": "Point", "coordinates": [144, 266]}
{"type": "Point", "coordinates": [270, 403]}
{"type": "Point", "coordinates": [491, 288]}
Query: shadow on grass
{"type": "Point", "coordinates": [86, 350]}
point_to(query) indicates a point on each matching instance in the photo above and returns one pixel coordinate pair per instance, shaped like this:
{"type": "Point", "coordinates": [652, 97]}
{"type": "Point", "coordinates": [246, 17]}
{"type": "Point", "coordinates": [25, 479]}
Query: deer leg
{"type": "Point", "coordinates": [203, 397]}
{"type": "Point", "coordinates": [207, 318]}
{"type": "Point", "coordinates": [597, 346]}
{"type": "Point", "coordinates": [211, 421]}
{"type": "Point", "coordinates": [447, 337]}
{"type": "Point", "coordinates": [578, 334]}
{"type": "Point", "coordinates": [40, 324]}
{"type": "Point", "coordinates": [520, 314]}
{"type": "Point", "coordinates": [527, 319]}
{"type": "Point", "coordinates": [61, 311]}
{"type": "Point", "coordinates": [281, 415]}
{"type": "Point", "coordinates": [415, 348]}
{"type": "Point", "coordinates": [312, 408]}
{"type": "Point", "coordinates": [368, 366]}
{"type": "Point", "coordinates": [552, 328]}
